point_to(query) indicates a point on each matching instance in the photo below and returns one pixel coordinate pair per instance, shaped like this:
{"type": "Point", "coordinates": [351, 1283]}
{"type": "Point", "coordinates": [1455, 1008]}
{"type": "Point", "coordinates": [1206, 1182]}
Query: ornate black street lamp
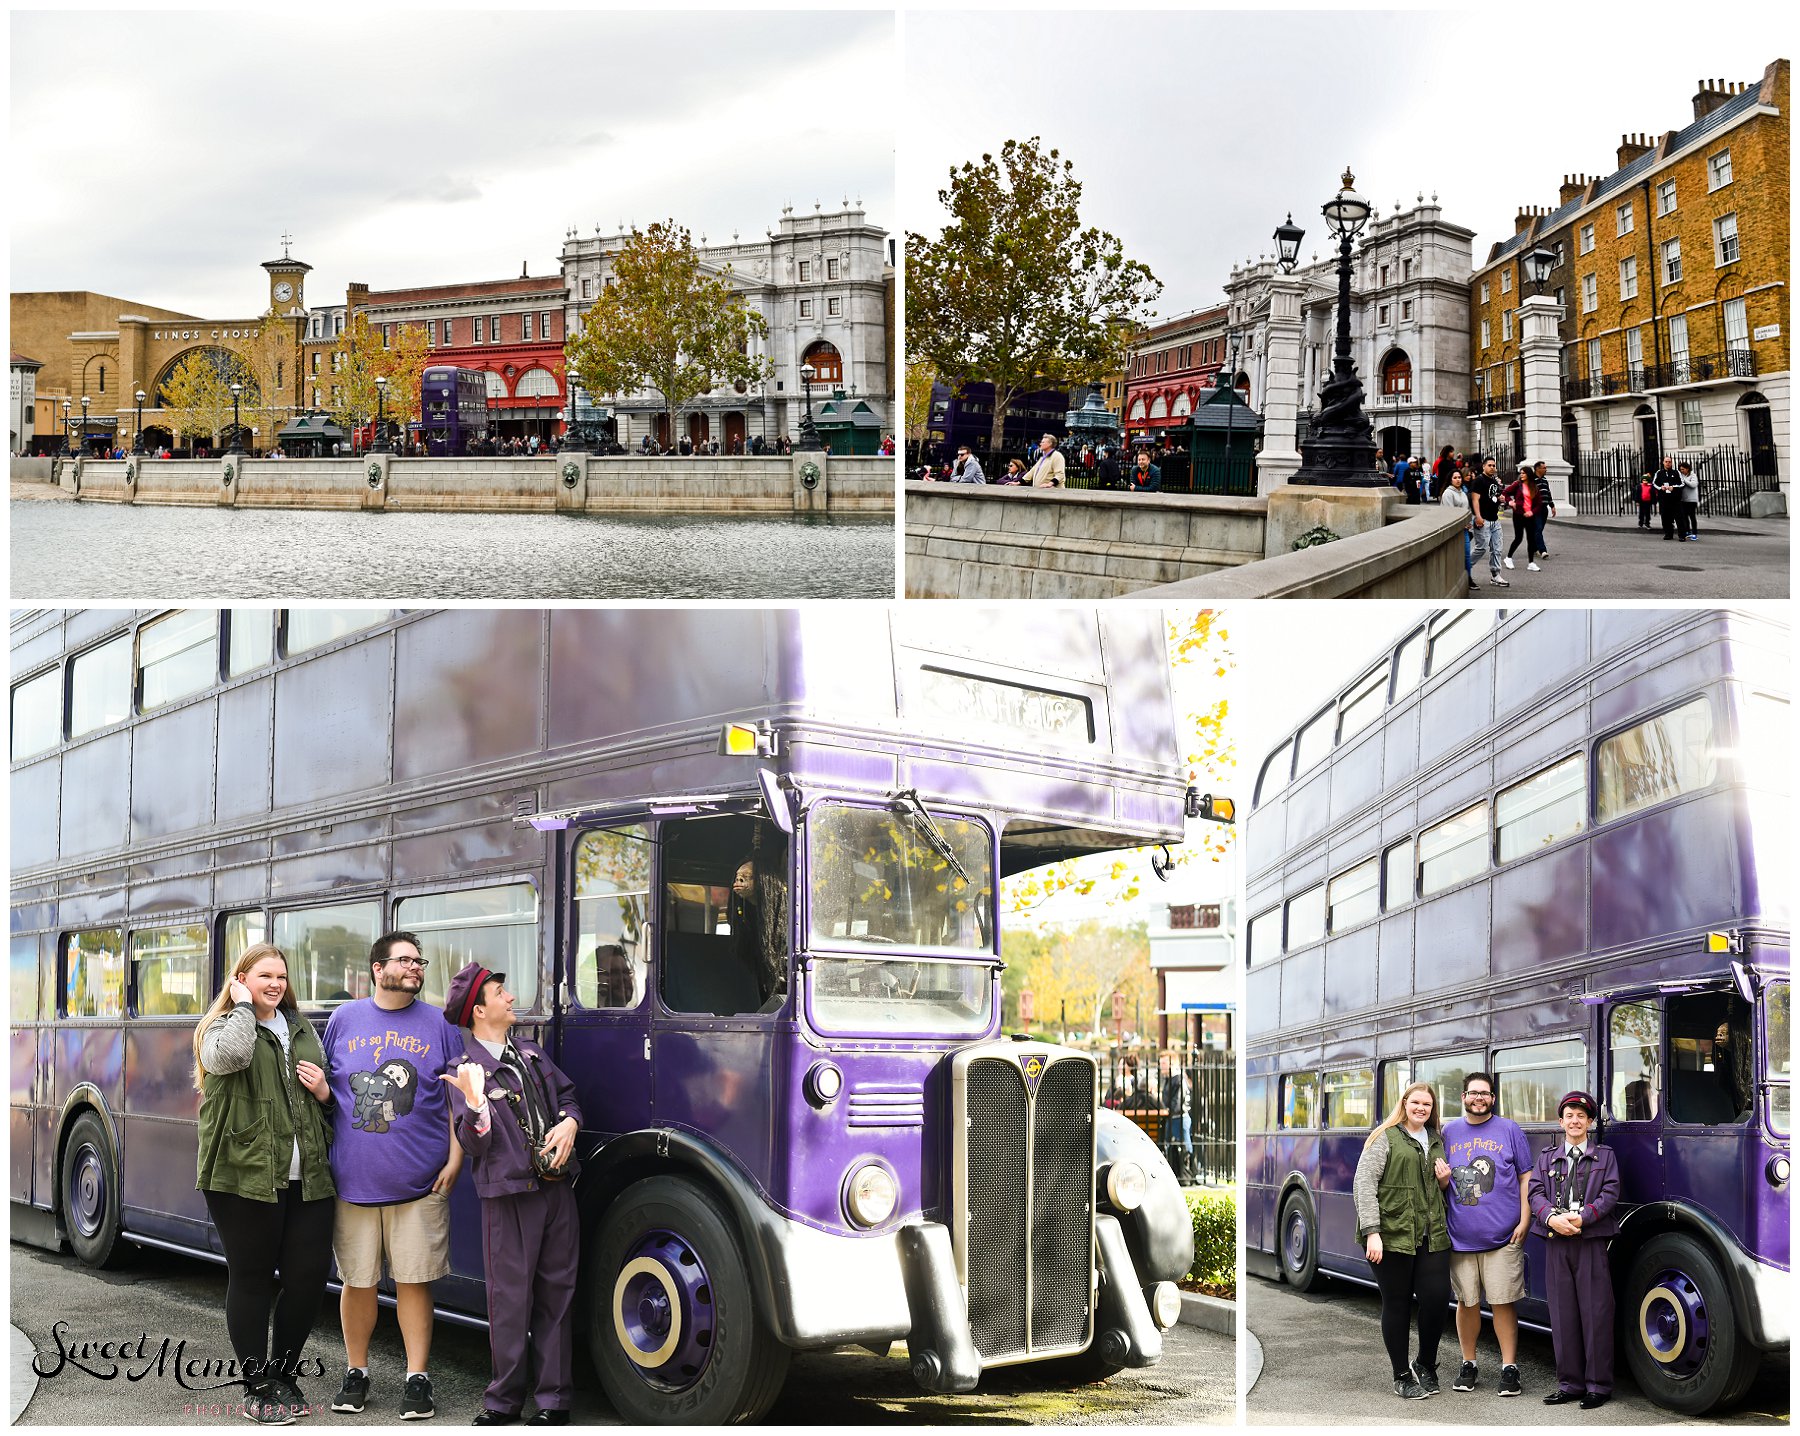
{"type": "Point", "coordinates": [572, 430]}
{"type": "Point", "coordinates": [66, 448]}
{"type": "Point", "coordinates": [1236, 341]}
{"type": "Point", "coordinates": [1340, 449]}
{"type": "Point", "coordinates": [1538, 265]}
{"type": "Point", "coordinates": [237, 433]}
{"type": "Point", "coordinates": [84, 424]}
{"type": "Point", "coordinates": [1287, 243]}
{"type": "Point", "coordinates": [809, 436]}
{"type": "Point", "coordinates": [137, 446]}
{"type": "Point", "coordinates": [380, 444]}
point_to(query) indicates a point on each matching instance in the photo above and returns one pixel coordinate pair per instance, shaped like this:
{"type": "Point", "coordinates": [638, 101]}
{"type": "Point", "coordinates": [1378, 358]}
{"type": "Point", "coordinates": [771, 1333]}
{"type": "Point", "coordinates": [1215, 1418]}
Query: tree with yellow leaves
{"type": "Point", "coordinates": [920, 377]}
{"type": "Point", "coordinates": [662, 323]}
{"type": "Point", "coordinates": [196, 397]}
{"type": "Point", "coordinates": [359, 358]}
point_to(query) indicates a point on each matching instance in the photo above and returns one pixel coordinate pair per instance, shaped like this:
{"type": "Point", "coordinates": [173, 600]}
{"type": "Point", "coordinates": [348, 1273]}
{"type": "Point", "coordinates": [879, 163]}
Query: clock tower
{"type": "Point", "coordinates": [287, 281]}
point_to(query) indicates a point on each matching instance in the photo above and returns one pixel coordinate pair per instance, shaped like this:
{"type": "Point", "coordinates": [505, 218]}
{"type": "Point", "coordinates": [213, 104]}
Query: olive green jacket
{"type": "Point", "coordinates": [1397, 1194]}
{"type": "Point", "coordinates": [253, 1109]}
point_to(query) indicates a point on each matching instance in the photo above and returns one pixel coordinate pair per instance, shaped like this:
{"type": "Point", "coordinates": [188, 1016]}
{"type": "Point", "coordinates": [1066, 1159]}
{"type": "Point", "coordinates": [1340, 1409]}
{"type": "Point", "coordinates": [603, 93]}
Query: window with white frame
{"type": "Point", "coordinates": [1693, 425]}
{"type": "Point", "coordinates": [1602, 428]}
{"type": "Point", "coordinates": [1484, 291]}
{"type": "Point", "coordinates": [831, 269]}
{"type": "Point", "coordinates": [1453, 851]}
{"type": "Point", "coordinates": [1557, 250]}
{"type": "Point", "coordinates": [806, 309]}
{"type": "Point", "coordinates": [1587, 240]}
{"type": "Point", "coordinates": [475, 330]}
{"type": "Point", "coordinates": [1306, 917]}
{"type": "Point", "coordinates": [1737, 327]}
{"type": "Point", "coordinates": [1625, 217]}
{"type": "Point", "coordinates": [1506, 324]}
{"type": "Point", "coordinates": [1354, 896]}
{"type": "Point", "coordinates": [544, 324]}
{"type": "Point", "coordinates": [1634, 358]}
{"type": "Point", "coordinates": [1590, 293]}
{"type": "Point", "coordinates": [1725, 240]}
{"type": "Point", "coordinates": [1678, 347]}
{"type": "Point", "coordinates": [1628, 277]}
{"type": "Point", "coordinates": [1671, 255]}
{"type": "Point", "coordinates": [525, 335]}
{"type": "Point", "coordinates": [1544, 809]}
{"type": "Point", "coordinates": [387, 336]}
{"type": "Point", "coordinates": [1506, 281]}
{"type": "Point", "coordinates": [1665, 197]}
{"type": "Point", "coordinates": [1593, 358]}
{"type": "Point", "coordinates": [834, 308]}
{"type": "Point", "coordinates": [1487, 337]}
{"type": "Point", "coordinates": [431, 333]}
{"type": "Point", "coordinates": [587, 289]}
{"type": "Point", "coordinates": [1718, 170]}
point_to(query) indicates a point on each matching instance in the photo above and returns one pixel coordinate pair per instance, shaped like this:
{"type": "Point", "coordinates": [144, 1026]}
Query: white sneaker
{"type": "Point", "coordinates": [1533, 568]}
{"type": "Point", "coordinates": [1509, 563]}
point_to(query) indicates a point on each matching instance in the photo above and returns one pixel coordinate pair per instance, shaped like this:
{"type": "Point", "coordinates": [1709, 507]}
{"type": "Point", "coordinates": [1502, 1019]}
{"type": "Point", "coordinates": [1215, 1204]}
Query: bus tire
{"type": "Point", "coordinates": [1297, 1242]}
{"type": "Point", "coordinates": [1679, 1329]}
{"type": "Point", "coordinates": [89, 1191]}
{"type": "Point", "coordinates": [672, 1324]}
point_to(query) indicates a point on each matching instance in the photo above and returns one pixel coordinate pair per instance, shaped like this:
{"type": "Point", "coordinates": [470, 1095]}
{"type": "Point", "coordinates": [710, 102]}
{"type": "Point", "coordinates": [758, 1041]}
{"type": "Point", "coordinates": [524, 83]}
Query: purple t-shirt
{"type": "Point", "coordinates": [1489, 1164]}
{"type": "Point", "coordinates": [391, 1124]}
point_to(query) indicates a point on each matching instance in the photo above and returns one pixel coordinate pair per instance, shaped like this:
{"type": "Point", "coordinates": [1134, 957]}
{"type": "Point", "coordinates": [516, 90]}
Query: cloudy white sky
{"type": "Point", "coordinates": [1194, 133]}
{"type": "Point", "coordinates": [160, 156]}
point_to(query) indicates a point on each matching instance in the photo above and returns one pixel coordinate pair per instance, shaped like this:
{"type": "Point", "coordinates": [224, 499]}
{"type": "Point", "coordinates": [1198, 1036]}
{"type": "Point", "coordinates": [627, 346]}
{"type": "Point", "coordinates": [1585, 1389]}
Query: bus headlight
{"type": "Point", "coordinates": [1779, 1171]}
{"type": "Point", "coordinates": [1165, 1304]}
{"type": "Point", "coordinates": [870, 1194]}
{"type": "Point", "coordinates": [824, 1080]}
{"type": "Point", "coordinates": [1125, 1185]}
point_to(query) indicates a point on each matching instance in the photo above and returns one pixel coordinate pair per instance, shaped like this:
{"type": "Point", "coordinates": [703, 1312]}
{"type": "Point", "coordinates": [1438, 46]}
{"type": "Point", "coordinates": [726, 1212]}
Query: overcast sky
{"type": "Point", "coordinates": [160, 156]}
{"type": "Point", "coordinates": [1194, 134]}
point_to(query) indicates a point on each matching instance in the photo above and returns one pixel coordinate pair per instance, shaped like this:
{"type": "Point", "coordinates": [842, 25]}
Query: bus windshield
{"type": "Point", "coordinates": [884, 878]}
{"type": "Point", "coordinates": [891, 996]}
{"type": "Point", "coordinates": [1779, 1056]}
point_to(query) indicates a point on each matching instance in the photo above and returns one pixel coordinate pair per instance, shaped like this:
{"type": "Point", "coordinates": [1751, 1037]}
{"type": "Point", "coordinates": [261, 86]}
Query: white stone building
{"type": "Point", "coordinates": [24, 403]}
{"type": "Point", "coordinates": [820, 282]}
{"type": "Point", "coordinates": [1409, 325]}
{"type": "Point", "coordinates": [1193, 942]}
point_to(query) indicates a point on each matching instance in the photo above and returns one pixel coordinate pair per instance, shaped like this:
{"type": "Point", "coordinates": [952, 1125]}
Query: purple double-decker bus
{"type": "Point", "coordinates": [741, 869]}
{"type": "Point", "coordinates": [453, 409]}
{"type": "Point", "coordinates": [1551, 846]}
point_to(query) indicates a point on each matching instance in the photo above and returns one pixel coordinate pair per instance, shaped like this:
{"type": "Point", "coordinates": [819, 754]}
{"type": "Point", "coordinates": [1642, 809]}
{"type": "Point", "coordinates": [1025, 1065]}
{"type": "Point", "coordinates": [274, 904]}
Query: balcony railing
{"type": "Point", "coordinates": [1496, 403]}
{"type": "Point", "coordinates": [1403, 397]}
{"type": "Point", "coordinates": [1702, 369]}
{"type": "Point", "coordinates": [1601, 386]}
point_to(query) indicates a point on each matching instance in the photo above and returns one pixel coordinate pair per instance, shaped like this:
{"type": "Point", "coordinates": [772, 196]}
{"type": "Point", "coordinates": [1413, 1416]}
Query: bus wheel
{"type": "Point", "coordinates": [90, 1193]}
{"type": "Point", "coordinates": [1299, 1239]}
{"type": "Point", "coordinates": [1679, 1329]}
{"type": "Point", "coordinates": [673, 1326]}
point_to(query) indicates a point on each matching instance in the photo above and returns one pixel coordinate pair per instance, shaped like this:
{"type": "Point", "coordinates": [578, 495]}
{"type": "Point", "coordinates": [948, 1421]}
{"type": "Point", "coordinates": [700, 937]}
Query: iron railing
{"type": "Point", "coordinates": [1701, 369]}
{"type": "Point", "coordinates": [1193, 1119]}
{"type": "Point", "coordinates": [1606, 481]}
{"type": "Point", "coordinates": [1601, 386]}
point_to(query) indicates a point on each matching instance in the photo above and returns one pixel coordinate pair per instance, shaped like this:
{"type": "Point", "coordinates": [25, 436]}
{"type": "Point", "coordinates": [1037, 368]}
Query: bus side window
{"type": "Point", "coordinates": [1300, 1101]}
{"type": "Point", "coordinates": [95, 973]}
{"type": "Point", "coordinates": [1396, 1076]}
{"type": "Point", "coordinates": [1710, 1077]}
{"type": "Point", "coordinates": [612, 893]}
{"type": "Point", "coordinates": [1636, 1091]}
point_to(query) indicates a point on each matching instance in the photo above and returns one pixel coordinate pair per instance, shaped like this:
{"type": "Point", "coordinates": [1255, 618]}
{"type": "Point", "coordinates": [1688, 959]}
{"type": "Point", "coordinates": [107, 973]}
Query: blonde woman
{"type": "Point", "coordinates": [265, 1173]}
{"type": "Point", "coordinates": [1399, 1195]}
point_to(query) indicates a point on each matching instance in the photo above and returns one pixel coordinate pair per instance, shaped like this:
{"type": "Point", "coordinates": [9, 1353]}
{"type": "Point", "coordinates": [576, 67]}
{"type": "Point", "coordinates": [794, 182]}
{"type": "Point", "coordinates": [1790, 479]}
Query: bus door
{"type": "Point", "coordinates": [603, 989]}
{"type": "Point", "coordinates": [1711, 1100]}
{"type": "Point", "coordinates": [721, 978]}
{"type": "Point", "coordinates": [1635, 1095]}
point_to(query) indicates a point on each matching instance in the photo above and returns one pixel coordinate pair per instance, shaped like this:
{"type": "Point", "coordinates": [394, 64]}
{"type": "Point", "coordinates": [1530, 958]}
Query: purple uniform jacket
{"type": "Point", "coordinates": [1600, 1198]}
{"type": "Point", "coordinates": [498, 1156]}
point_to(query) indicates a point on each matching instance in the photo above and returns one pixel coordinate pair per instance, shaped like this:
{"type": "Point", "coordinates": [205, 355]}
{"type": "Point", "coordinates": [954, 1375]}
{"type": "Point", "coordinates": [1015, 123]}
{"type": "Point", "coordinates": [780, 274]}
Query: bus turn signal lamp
{"type": "Point", "coordinates": [748, 740]}
{"type": "Point", "coordinates": [1214, 810]}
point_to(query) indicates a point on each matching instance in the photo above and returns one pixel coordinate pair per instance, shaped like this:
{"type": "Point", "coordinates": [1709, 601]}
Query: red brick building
{"type": "Point", "coordinates": [1171, 364]}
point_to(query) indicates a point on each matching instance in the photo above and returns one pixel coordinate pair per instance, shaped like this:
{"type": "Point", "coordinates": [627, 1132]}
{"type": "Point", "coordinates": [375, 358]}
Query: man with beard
{"type": "Point", "coordinates": [394, 1162]}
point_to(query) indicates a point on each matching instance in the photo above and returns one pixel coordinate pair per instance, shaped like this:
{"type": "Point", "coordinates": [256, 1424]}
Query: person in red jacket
{"type": "Point", "coordinates": [1574, 1197]}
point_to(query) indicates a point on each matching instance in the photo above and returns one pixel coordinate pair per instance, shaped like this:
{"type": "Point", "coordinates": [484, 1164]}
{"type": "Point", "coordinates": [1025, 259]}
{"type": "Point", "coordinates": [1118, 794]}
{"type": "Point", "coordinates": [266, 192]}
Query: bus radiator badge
{"type": "Point", "coordinates": [1033, 1068]}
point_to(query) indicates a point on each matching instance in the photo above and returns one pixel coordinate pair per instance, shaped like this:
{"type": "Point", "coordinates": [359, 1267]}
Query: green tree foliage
{"type": "Point", "coordinates": [1077, 970]}
{"type": "Point", "coordinates": [358, 359]}
{"type": "Point", "coordinates": [664, 324]}
{"type": "Point", "coordinates": [270, 362]}
{"type": "Point", "coordinates": [920, 376]}
{"type": "Point", "coordinates": [196, 397]}
{"type": "Point", "coordinates": [1015, 290]}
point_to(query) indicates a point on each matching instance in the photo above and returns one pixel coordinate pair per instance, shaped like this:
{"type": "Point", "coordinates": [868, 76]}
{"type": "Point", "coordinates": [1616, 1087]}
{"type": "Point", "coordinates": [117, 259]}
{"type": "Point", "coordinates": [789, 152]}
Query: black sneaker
{"type": "Point", "coordinates": [1409, 1390]}
{"type": "Point", "coordinates": [416, 1405]}
{"type": "Point", "coordinates": [1427, 1377]}
{"type": "Point", "coordinates": [291, 1396]}
{"type": "Point", "coordinates": [265, 1407]}
{"type": "Point", "coordinates": [354, 1394]}
{"type": "Point", "coordinates": [1465, 1378]}
{"type": "Point", "coordinates": [1509, 1381]}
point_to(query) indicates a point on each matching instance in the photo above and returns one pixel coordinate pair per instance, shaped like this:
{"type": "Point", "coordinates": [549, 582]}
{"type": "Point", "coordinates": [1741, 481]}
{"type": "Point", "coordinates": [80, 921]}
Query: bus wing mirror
{"type": "Point", "coordinates": [775, 799]}
{"type": "Point", "coordinates": [1743, 982]}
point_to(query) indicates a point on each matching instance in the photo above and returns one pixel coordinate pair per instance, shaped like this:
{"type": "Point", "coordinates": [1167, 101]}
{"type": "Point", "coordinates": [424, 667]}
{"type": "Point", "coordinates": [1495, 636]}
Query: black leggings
{"type": "Point", "coordinates": [1521, 534]}
{"type": "Point", "coordinates": [1400, 1276]}
{"type": "Point", "coordinates": [288, 1233]}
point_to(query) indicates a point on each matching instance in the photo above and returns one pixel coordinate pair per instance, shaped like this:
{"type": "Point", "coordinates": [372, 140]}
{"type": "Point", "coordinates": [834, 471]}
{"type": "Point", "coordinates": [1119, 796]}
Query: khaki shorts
{"type": "Point", "coordinates": [413, 1236]}
{"type": "Point", "coordinates": [1500, 1274]}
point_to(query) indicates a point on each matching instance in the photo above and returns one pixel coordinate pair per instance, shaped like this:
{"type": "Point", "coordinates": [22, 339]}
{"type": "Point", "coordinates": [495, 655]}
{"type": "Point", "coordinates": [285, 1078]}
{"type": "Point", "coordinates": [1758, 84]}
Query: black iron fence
{"type": "Point", "coordinates": [1606, 481]}
{"type": "Point", "coordinates": [1185, 1102]}
{"type": "Point", "coordinates": [1701, 368]}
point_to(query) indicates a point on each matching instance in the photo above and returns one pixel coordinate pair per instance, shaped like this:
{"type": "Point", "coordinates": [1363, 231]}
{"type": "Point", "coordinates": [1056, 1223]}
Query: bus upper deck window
{"type": "Point", "coordinates": [37, 714]}
{"type": "Point", "coordinates": [100, 687]}
{"type": "Point", "coordinates": [1660, 758]}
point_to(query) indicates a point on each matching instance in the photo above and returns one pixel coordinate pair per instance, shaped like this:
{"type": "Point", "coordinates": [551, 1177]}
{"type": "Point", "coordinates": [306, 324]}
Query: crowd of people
{"type": "Point", "coordinates": [1051, 466]}
{"type": "Point", "coordinates": [348, 1146]}
{"type": "Point", "coordinates": [1443, 1210]}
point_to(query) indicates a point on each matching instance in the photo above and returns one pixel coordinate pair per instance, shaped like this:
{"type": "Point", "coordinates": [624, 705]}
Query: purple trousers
{"type": "Point", "coordinates": [529, 1248]}
{"type": "Point", "coordinates": [1580, 1291]}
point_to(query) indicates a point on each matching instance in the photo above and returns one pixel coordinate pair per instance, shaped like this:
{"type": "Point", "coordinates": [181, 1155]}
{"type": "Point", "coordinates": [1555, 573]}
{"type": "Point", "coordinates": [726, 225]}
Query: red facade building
{"type": "Point", "coordinates": [1171, 365]}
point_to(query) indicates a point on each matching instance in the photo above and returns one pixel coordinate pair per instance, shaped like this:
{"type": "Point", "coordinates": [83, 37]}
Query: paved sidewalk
{"type": "Point", "coordinates": [1602, 556]}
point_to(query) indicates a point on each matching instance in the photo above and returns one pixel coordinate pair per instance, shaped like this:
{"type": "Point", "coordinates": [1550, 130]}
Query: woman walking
{"type": "Point", "coordinates": [1519, 496]}
{"type": "Point", "coordinates": [1399, 1196]}
{"type": "Point", "coordinates": [265, 1173]}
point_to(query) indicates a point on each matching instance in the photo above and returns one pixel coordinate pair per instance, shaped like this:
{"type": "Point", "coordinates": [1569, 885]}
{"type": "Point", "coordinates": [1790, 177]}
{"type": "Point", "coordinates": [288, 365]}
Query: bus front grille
{"type": "Point", "coordinates": [1027, 1181]}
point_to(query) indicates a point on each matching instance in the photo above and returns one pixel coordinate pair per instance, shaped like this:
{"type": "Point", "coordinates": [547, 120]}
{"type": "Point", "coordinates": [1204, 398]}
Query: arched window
{"type": "Point", "coordinates": [1183, 406]}
{"type": "Point", "coordinates": [102, 378]}
{"type": "Point", "coordinates": [1396, 373]}
{"type": "Point", "coordinates": [1137, 410]}
{"type": "Point", "coordinates": [496, 384]}
{"type": "Point", "coordinates": [828, 364]}
{"type": "Point", "coordinates": [536, 384]}
{"type": "Point", "coordinates": [1159, 408]}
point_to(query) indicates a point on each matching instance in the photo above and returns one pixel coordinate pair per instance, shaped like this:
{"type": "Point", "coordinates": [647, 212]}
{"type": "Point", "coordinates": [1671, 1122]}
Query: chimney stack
{"type": "Point", "coordinates": [1710, 94]}
{"type": "Point", "coordinates": [1633, 147]}
{"type": "Point", "coordinates": [1573, 187]}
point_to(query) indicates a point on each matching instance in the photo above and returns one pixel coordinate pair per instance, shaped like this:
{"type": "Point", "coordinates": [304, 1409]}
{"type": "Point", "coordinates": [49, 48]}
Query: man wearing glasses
{"type": "Point", "coordinates": [394, 1162]}
{"type": "Point", "coordinates": [1489, 1216]}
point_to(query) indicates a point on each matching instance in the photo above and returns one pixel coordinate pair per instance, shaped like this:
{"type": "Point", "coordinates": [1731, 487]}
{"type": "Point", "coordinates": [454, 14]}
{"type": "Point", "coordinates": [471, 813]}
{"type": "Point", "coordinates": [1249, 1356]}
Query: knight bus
{"type": "Point", "coordinates": [453, 409]}
{"type": "Point", "coordinates": [1551, 846]}
{"type": "Point", "coordinates": [802, 1133]}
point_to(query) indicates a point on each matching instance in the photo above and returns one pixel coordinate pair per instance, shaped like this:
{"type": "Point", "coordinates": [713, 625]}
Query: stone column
{"type": "Point", "coordinates": [1280, 455]}
{"type": "Point", "coordinates": [1541, 376]}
